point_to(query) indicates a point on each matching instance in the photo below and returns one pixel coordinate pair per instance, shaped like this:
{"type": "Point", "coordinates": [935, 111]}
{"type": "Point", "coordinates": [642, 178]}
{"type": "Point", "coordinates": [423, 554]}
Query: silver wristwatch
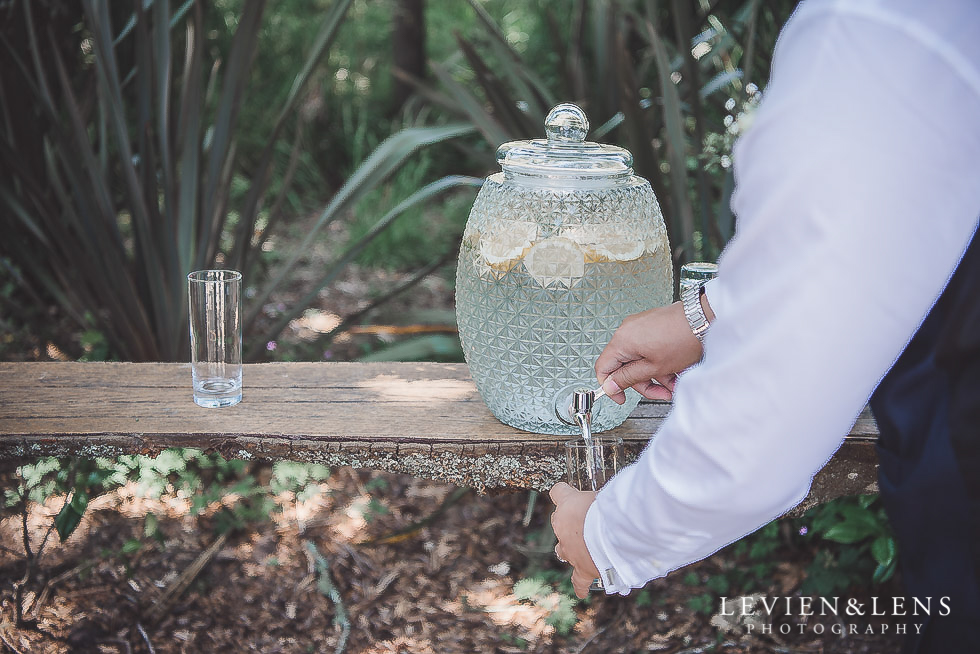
{"type": "Point", "coordinates": [691, 297]}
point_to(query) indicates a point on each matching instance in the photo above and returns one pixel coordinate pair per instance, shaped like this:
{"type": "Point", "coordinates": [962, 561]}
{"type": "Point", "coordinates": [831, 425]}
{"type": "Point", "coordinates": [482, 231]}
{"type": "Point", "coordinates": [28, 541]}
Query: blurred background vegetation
{"type": "Point", "coordinates": [293, 139]}
{"type": "Point", "coordinates": [310, 143]}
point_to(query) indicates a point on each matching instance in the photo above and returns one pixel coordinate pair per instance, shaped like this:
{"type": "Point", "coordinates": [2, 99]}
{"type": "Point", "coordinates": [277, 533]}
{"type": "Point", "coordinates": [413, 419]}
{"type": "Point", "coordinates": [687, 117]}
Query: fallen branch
{"type": "Point", "coordinates": [326, 587]}
{"type": "Point", "coordinates": [404, 329]}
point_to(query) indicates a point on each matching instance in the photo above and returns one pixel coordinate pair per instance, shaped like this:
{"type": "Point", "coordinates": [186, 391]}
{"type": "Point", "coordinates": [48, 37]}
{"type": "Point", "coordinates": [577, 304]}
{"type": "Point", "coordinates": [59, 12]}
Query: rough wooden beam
{"type": "Point", "coordinates": [426, 420]}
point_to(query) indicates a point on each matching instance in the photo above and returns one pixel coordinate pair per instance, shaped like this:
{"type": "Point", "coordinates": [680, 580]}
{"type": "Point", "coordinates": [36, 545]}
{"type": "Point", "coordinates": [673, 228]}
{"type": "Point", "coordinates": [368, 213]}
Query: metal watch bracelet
{"type": "Point", "coordinates": [691, 298]}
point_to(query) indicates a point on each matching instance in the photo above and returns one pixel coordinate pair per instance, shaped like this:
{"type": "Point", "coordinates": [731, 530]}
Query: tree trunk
{"type": "Point", "coordinates": [408, 41]}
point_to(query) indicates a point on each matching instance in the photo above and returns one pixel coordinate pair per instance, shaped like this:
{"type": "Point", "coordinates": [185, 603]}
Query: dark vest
{"type": "Point", "coordinates": [928, 413]}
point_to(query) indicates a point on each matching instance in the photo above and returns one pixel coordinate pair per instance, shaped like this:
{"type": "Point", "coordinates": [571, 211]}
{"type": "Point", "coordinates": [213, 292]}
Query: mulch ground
{"type": "Point", "coordinates": [352, 569]}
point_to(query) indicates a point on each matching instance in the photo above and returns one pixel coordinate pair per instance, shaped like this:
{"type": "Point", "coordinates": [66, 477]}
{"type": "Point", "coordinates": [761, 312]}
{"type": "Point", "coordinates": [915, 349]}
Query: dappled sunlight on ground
{"type": "Point", "coordinates": [494, 597]}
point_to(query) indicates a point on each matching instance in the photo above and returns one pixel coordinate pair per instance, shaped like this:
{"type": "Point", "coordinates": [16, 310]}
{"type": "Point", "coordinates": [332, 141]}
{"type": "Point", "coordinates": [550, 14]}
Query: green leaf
{"type": "Point", "coordinates": [607, 126]}
{"type": "Point", "coordinates": [70, 515]}
{"type": "Point", "coordinates": [884, 550]}
{"type": "Point", "coordinates": [26, 219]}
{"type": "Point", "coordinates": [189, 152]}
{"type": "Point", "coordinates": [848, 533]}
{"type": "Point", "coordinates": [471, 107]}
{"type": "Point", "coordinates": [718, 584]}
{"type": "Point", "coordinates": [884, 572]}
{"type": "Point", "coordinates": [720, 81]}
{"type": "Point", "coordinates": [865, 501]}
{"type": "Point", "coordinates": [151, 525]}
{"type": "Point", "coordinates": [131, 546]}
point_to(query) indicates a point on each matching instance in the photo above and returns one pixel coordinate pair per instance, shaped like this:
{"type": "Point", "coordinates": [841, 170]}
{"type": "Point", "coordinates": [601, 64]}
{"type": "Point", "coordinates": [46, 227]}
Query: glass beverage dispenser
{"type": "Point", "coordinates": [559, 247]}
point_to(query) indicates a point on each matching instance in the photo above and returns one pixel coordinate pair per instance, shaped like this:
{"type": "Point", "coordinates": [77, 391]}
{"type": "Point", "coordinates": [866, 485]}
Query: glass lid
{"type": "Point", "coordinates": [565, 153]}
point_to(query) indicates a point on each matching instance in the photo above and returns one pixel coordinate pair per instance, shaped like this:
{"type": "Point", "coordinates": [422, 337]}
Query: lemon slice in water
{"type": "Point", "coordinates": [507, 245]}
{"type": "Point", "coordinates": [556, 260]}
{"type": "Point", "coordinates": [616, 249]}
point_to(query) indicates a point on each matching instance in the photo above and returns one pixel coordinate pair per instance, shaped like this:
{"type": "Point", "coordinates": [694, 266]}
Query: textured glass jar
{"type": "Point", "coordinates": [558, 249]}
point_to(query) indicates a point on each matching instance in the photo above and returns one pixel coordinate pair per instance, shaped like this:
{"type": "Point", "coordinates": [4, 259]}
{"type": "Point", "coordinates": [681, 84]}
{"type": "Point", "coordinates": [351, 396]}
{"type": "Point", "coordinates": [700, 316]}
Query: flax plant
{"type": "Point", "coordinates": [139, 156]}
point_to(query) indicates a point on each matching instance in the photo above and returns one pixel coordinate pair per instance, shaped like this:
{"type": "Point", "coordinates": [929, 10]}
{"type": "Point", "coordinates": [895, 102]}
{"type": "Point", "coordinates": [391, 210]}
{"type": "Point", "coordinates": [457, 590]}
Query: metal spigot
{"type": "Point", "coordinates": [582, 402]}
{"type": "Point", "coordinates": [581, 409]}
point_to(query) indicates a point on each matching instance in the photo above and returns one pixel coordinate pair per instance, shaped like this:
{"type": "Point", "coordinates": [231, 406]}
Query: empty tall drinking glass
{"type": "Point", "coordinates": [215, 306]}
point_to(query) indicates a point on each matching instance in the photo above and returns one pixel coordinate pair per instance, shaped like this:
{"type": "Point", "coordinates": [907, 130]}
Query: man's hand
{"type": "Point", "coordinates": [568, 521]}
{"type": "Point", "coordinates": [647, 352]}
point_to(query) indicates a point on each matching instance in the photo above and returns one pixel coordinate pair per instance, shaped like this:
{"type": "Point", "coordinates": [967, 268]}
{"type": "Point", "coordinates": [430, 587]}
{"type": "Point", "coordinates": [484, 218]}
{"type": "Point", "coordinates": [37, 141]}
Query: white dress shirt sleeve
{"type": "Point", "coordinates": [857, 191]}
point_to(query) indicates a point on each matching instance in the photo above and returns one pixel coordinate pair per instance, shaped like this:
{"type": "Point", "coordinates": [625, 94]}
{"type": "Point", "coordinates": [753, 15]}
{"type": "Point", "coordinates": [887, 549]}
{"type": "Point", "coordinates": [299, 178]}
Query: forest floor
{"type": "Point", "coordinates": [356, 567]}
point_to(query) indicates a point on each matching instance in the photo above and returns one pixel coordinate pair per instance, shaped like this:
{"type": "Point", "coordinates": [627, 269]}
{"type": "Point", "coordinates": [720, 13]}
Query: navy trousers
{"type": "Point", "coordinates": [928, 413]}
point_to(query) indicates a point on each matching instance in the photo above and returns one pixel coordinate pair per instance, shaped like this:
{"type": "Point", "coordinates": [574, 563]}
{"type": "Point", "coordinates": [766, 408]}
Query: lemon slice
{"type": "Point", "coordinates": [504, 248]}
{"type": "Point", "coordinates": [617, 249]}
{"type": "Point", "coordinates": [556, 260]}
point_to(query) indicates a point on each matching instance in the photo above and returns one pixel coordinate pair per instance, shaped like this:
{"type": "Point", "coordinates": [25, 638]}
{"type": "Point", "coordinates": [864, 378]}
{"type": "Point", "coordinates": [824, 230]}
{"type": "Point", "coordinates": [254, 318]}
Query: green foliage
{"type": "Point", "coordinates": [75, 480]}
{"type": "Point", "coordinates": [370, 508]}
{"type": "Point", "coordinates": [853, 546]}
{"type": "Point", "coordinates": [213, 484]}
{"type": "Point", "coordinates": [71, 514]}
{"type": "Point", "coordinates": [560, 606]}
{"type": "Point", "coordinates": [299, 478]}
{"type": "Point", "coordinates": [865, 548]}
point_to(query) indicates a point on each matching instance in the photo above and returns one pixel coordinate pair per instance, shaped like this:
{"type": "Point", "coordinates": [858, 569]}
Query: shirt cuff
{"type": "Point", "coordinates": [619, 578]}
{"type": "Point", "coordinates": [611, 581]}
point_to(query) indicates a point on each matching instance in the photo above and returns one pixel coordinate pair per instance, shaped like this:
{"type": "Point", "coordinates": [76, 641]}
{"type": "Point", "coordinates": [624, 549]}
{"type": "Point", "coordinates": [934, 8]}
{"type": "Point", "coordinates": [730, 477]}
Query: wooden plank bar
{"type": "Point", "coordinates": [423, 419]}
